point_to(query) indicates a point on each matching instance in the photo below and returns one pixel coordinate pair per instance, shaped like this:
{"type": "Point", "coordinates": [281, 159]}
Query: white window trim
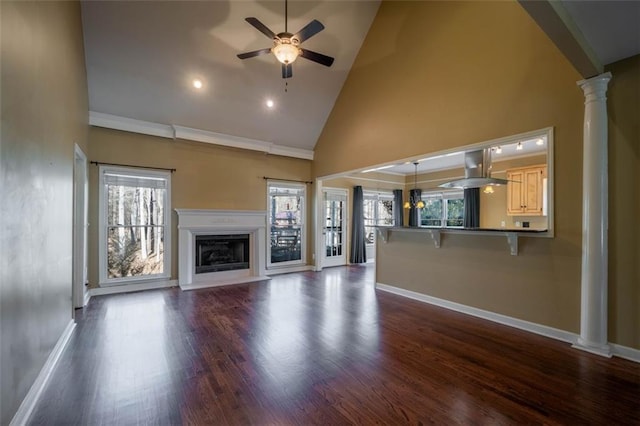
{"type": "Point", "coordinates": [103, 280]}
{"type": "Point", "coordinates": [303, 227]}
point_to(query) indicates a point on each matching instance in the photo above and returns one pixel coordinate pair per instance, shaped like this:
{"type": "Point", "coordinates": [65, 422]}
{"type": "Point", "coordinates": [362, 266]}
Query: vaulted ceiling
{"type": "Point", "coordinates": [142, 58]}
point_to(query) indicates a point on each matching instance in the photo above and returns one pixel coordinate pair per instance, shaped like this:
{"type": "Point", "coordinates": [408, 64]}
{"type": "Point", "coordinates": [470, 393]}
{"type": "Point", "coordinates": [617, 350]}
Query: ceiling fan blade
{"type": "Point", "coordinates": [261, 27]}
{"type": "Point", "coordinates": [254, 53]}
{"type": "Point", "coordinates": [312, 28]}
{"type": "Point", "coordinates": [287, 71]}
{"type": "Point", "coordinates": [317, 57]}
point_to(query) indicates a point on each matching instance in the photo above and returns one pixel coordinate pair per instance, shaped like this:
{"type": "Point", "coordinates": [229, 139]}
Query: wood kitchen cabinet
{"type": "Point", "coordinates": [525, 190]}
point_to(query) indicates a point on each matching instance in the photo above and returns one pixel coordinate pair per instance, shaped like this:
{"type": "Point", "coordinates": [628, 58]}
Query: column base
{"type": "Point", "coordinates": [594, 348]}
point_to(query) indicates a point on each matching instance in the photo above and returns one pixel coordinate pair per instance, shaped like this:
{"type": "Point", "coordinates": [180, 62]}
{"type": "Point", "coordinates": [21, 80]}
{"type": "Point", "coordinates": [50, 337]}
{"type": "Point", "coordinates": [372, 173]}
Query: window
{"type": "Point", "coordinates": [287, 227]}
{"type": "Point", "coordinates": [378, 211]}
{"type": "Point", "coordinates": [443, 210]}
{"type": "Point", "coordinates": [135, 227]}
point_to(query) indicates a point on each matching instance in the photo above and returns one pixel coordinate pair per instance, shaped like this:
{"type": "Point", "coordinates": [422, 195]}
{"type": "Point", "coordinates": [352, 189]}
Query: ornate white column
{"type": "Point", "coordinates": [595, 216]}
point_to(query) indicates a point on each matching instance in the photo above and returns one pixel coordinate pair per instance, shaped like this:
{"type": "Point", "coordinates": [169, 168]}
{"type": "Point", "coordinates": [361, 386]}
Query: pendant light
{"type": "Point", "coordinates": [414, 200]}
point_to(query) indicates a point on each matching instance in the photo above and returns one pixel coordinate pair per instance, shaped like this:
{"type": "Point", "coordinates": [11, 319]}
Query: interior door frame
{"type": "Point", "coordinates": [345, 225]}
{"type": "Point", "coordinates": [80, 225]}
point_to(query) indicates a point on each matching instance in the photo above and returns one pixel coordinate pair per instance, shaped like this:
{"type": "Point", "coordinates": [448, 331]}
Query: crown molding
{"type": "Point", "coordinates": [289, 151]}
{"type": "Point", "coordinates": [240, 142]}
{"type": "Point", "coordinates": [115, 122]}
{"type": "Point", "coordinates": [173, 131]}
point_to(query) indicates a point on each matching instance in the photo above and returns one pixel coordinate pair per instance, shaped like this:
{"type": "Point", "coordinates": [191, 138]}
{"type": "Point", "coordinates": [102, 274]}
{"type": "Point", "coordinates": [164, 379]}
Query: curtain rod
{"type": "Point", "coordinates": [288, 180]}
{"type": "Point", "coordinates": [98, 163]}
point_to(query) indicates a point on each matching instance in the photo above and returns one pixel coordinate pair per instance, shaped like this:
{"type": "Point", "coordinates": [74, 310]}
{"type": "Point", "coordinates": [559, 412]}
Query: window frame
{"type": "Point", "coordinates": [303, 225]}
{"type": "Point", "coordinates": [443, 196]}
{"type": "Point", "coordinates": [103, 279]}
{"type": "Point", "coordinates": [378, 196]}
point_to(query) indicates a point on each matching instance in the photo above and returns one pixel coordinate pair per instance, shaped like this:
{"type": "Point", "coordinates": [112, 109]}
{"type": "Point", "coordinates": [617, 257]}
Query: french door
{"type": "Point", "coordinates": [334, 227]}
{"type": "Point", "coordinates": [287, 225]}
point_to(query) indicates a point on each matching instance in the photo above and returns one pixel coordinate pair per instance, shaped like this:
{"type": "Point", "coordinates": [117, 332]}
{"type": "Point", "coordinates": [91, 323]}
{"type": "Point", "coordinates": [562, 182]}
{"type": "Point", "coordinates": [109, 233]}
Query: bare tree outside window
{"type": "Point", "coordinates": [135, 224]}
{"type": "Point", "coordinates": [442, 210]}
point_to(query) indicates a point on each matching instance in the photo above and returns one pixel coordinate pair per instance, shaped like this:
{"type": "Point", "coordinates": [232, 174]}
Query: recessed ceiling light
{"type": "Point", "coordinates": [539, 142]}
{"type": "Point", "coordinates": [270, 103]}
{"type": "Point", "coordinates": [519, 146]}
{"type": "Point", "coordinates": [499, 150]}
{"type": "Point", "coordinates": [197, 84]}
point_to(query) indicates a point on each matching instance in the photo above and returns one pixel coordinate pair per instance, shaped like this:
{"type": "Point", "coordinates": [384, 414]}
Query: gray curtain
{"type": "Point", "coordinates": [358, 240]}
{"type": "Point", "coordinates": [472, 208]}
{"type": "Point", "coordinates": [414, 196]}
{"type": "Point", "coordinates": [398, 209]}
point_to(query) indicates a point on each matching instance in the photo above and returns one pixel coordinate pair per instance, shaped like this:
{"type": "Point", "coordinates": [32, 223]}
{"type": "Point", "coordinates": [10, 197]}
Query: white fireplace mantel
{"type": "Point", "coordinates": [217, 222]}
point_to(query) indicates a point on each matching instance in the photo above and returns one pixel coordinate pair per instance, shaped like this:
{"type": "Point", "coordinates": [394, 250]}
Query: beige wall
{"type": "Point", "coordinates": [207, 177]}
{"type": "Point", "coordinates": [624, 202]}
{"type": "Point", "coordinates": [44, 112]}
{"type": "Point", "coordinates": [484, 70]}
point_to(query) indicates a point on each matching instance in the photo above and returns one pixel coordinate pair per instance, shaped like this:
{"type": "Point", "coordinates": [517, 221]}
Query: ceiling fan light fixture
{"type": "Point", "coordinates": [285, 52]}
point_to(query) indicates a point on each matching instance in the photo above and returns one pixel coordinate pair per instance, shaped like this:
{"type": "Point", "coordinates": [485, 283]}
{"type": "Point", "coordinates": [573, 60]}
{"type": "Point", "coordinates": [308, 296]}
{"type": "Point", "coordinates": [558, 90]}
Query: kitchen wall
{"type": "Point", "coordinates": [44, 112]}
{"type": "Point", "coordinates": [624, 202]}
{"type": "Point", "coordinates": [493, 207]}
{"type": "Point", "coordinates": [484, 70]}
{"type": "Point", "coordinates": [207, 177]}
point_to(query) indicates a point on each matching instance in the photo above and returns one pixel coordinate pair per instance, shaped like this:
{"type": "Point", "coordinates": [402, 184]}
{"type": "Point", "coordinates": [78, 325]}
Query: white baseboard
{"type": "Point", "coordinates": [128, 288]}
{"type": "Point", "coordinates": [543, 330]}
{"type": "Point", "coordinates": [233, 281]}
{"type": "Point", "coordinates": [29, 402]}
{"type": "Point", "coordinates": [289, 269]}
{"type": "Point", "coordinates": [620, 351]}
{"type": "Point", "coordinates": [602, 350]}
{"type": "Point", "coordinates": [625, 352]}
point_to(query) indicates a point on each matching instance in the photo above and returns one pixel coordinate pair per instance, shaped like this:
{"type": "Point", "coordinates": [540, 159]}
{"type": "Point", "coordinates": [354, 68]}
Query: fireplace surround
{"type": "Point", "coordinates": [220, 247]}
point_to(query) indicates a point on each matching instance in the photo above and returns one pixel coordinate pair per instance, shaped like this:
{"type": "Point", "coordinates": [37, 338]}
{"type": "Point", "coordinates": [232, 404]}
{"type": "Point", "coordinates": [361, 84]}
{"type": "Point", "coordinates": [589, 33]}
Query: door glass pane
{"type": "Point", "coordinates": [333, 228]}
{"type": "Point", "coordinates": [385, 213]}
{"type": "Point", "coordinates": [285, 214]}
{"type": "Point", "coordinates": [134, 251]}
{"type": "Point", "coordinates": [369, 210]}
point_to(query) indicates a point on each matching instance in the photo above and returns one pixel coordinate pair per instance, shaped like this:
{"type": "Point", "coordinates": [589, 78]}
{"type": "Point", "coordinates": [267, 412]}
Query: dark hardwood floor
{"type": "Point", "coordinates": [321, 348]}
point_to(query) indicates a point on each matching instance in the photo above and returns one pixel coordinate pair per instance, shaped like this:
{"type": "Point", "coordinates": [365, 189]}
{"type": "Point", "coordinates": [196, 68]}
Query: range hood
{"type": "Point", "coordinates": [477, 171]}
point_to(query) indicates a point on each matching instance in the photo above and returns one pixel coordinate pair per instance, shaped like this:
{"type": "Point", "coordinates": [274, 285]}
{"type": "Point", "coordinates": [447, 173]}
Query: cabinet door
{"type": "Point", "coordinates": [533, 191]}
{"type": "Point", "coordinates": [515, 204]}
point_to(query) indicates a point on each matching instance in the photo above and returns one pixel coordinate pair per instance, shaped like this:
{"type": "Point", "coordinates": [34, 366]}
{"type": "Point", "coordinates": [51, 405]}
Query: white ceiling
{"type": "Point", "coordinates": [455, 160]}
{"type": "Point", "coordinates": [142, 57]}
{"type": "Point", "coordinates": [611, 28]}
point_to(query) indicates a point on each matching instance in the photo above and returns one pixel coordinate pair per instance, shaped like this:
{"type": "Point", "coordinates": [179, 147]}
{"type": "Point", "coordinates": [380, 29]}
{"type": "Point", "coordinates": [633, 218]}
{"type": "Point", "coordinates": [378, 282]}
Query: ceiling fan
{"type": "Point", "coordinates": [286, 46]}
